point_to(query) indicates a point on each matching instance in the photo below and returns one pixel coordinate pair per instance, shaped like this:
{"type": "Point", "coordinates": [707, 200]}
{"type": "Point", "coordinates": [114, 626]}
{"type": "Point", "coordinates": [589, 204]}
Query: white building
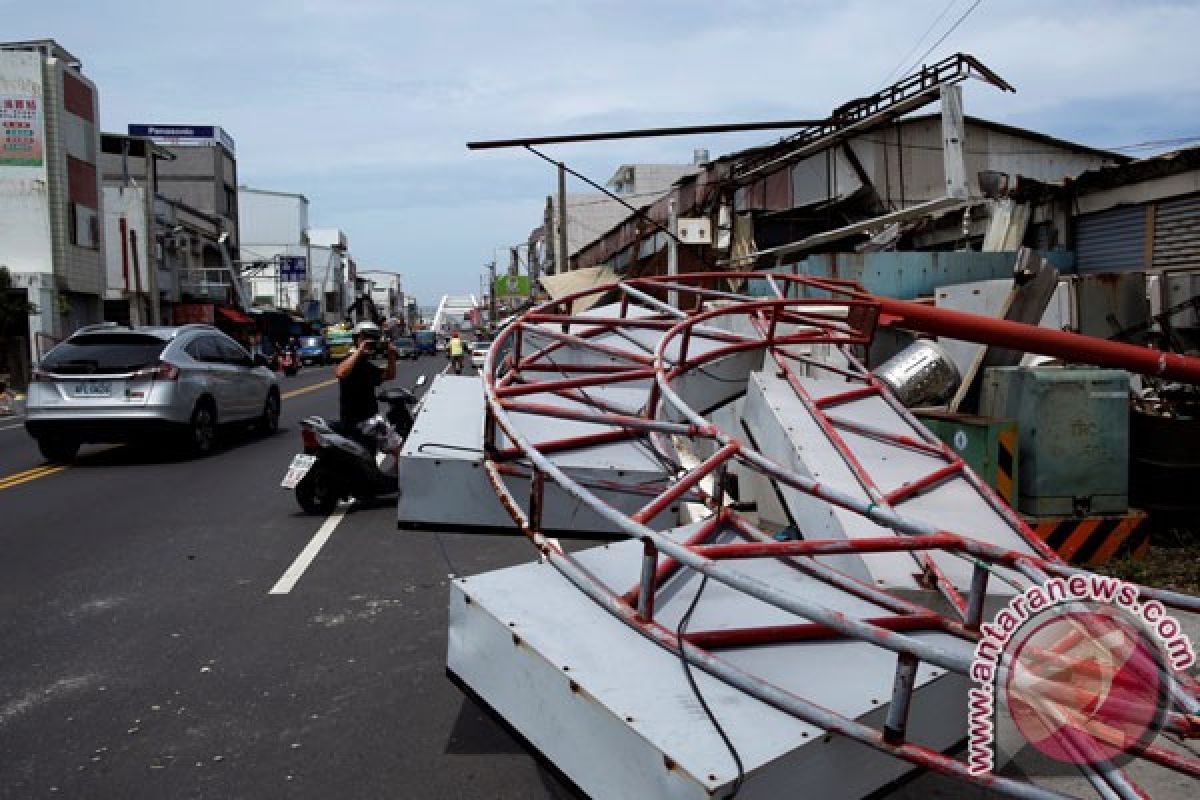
{"type": "Point", "coordinates": [315, 263]}
{"type": "Point", "coordinates": [386, 290]}
{"type": "Point", "coordinates": [51, 236]}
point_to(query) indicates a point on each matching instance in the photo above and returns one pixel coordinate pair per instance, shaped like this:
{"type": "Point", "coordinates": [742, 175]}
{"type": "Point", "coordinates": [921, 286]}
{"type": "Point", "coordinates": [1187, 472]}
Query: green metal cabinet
{"type": "Point", "coordinates": [988, 446]}
{"type": "Point", "coordinates": [1074, 436]}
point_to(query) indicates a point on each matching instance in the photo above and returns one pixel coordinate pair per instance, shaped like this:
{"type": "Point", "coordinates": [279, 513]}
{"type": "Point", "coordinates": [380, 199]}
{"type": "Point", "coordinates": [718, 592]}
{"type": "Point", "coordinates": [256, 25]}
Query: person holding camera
{"type": "Point", "coordinates": [358, 378]}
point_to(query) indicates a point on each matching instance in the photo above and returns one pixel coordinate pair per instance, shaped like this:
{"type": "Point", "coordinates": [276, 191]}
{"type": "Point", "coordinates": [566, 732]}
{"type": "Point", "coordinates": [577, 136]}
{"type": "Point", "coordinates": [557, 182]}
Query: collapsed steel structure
{"type": "Point", "coordinates": [802, 326]}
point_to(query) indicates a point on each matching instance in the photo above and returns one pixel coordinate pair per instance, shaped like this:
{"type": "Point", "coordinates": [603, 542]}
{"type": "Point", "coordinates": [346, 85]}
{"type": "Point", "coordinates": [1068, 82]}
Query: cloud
{"type": "Point", "coordinates": [365, 105]}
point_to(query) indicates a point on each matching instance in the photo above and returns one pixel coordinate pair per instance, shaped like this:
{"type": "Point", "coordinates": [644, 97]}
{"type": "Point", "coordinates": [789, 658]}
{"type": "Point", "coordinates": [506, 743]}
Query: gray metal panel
{"type": "Point", "coordinates": [613, 711]}
{"type": "Point", "coordinates": [1177, 233]}
{"type": "Point", "coordinates": [1112, 241]}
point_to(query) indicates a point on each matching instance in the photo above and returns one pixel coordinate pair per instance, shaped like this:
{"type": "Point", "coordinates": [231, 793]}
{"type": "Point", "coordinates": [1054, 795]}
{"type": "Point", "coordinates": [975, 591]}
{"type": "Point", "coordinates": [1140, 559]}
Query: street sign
{"type": "Point", "coordinates": [293, 268]}
{"type": "Point", "coordinates": [512, 286]}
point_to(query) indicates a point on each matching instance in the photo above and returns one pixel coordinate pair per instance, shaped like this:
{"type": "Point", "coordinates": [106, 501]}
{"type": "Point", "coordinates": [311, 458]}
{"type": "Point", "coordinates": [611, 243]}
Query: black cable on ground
{"type": "Point", "coordinates": [687, 672]}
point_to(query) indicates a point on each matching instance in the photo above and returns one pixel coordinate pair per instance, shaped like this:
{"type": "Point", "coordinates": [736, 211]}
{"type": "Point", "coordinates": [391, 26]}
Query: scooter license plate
{"type": "Point", "coordinates": [299, 467]}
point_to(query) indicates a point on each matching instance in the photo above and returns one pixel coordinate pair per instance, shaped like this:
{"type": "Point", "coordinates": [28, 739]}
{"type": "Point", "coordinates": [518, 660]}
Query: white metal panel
{"type": "Point", "coordinates": [613, 711]}
{"type": "Point", "coordinates": [443, 482]}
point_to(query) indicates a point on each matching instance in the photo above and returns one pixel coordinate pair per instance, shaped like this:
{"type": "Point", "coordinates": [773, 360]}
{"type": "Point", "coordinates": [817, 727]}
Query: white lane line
{"type": "Point", "coordinates": [285, 583]}
{"type": "Point", "coordinates": [13, 427]}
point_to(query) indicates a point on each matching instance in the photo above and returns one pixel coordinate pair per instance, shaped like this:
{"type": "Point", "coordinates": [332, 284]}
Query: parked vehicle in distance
{"type": "Point", "coordinates": [314, 350]}
{"type": "Point", "coordinates": [426, 343]}
{"type": "Point", "coordinates": [340, 342]}
{"type": "Point", "coordinates": [479, 349]}
{"type": "Point", "coordinates": [289, 361]}
{"type": "Point", "coordinates": [109, 383]}
{"type": "Point", "coordinates": [405, 347]}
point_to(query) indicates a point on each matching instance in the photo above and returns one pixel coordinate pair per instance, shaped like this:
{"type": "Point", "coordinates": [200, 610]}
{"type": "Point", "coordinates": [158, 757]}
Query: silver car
{"type": "Point", "coordinates": [111, 383]}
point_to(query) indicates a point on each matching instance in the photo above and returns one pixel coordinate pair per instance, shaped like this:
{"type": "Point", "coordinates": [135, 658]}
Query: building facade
{"type": "Point", "coordinates": [51, 205]}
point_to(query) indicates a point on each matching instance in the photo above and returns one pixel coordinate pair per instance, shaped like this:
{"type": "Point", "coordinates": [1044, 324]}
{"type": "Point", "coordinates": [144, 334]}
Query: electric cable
{"type": "Point", "coordinates": [691, 679]}
{"type": "Point", "coordinates": [638, 212]}
{"type": "Point", "coordinates": [892, 75]}
{"type": "Point", "coordinates": [944, 36]}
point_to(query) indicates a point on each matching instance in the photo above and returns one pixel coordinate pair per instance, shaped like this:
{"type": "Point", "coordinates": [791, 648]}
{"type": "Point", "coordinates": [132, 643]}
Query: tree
{"type": "Point", "coordinates": [15, 309]}
{"type": "Point", "coordinates": [14, 306]}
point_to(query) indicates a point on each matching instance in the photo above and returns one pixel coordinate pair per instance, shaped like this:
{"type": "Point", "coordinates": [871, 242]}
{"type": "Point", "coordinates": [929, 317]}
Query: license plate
{"type": "Point", "coordinates": [299, 467]}
{"type": "Point", "coordinates": [92, 389]}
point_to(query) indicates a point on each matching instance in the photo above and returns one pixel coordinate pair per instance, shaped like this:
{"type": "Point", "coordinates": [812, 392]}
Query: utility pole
{"type": "Point", "coordinates": [492, 293]}
{"type": "Point", "coordinates": [561, 262]}
{"type": "Point", "coordinates": [672, 249]}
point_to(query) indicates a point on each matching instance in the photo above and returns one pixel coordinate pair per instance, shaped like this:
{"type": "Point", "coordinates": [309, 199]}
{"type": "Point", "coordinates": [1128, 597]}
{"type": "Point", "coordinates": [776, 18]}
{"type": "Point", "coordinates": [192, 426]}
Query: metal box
{"type": "Point", "coordinates": [988, 445]}
{"type": "Point", "coordinates": [1073, 445]}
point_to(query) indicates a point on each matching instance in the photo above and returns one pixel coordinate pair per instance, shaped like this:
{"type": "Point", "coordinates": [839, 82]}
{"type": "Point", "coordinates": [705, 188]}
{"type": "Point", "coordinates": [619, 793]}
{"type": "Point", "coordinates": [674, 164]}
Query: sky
{"type": "Point", "coordinates": [365, 106]}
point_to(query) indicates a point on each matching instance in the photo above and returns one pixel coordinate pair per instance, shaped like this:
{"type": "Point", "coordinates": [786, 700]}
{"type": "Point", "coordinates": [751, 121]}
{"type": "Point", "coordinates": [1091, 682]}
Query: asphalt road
{"type": "Point", "coordinates": [141, 654]}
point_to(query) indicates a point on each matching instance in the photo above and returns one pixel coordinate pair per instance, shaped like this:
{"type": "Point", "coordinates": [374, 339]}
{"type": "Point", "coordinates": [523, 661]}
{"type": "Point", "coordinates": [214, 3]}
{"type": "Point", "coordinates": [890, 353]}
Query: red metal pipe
{"type": "Point", "coordinates": [1032, 339]}
{"type": "Point", "coordinates": [569, 443]}
{"type": "Point", "coordinates": [805, 632]}
{"type": "Point", "coordinates": [826, 547]}
{"type": "Point", "coordinates": [623, 376]}
{"type": "Point", "coordinates": [669, 566]}
{"type": "Point", "coordinates": [848, 396]}
{"type": "Point", "coordinates": [681, 487]}
{"type": "Point", "coordinates": [924, 482]}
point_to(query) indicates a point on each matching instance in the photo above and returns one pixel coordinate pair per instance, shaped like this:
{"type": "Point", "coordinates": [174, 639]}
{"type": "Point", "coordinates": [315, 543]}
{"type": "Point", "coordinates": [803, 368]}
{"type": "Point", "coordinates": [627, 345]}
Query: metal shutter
{"type": "Point", "coordinates": [1177, 233]}
{"type": "Point", "coordinates": [1112, 241]}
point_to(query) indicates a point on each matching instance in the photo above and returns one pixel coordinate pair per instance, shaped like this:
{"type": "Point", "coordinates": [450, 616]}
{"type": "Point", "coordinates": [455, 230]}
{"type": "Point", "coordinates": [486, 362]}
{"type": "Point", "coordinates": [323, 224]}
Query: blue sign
{"type": "Point", "coordinates": [185, 134]}
{"type": "Point", "coordinates": [293, 268]}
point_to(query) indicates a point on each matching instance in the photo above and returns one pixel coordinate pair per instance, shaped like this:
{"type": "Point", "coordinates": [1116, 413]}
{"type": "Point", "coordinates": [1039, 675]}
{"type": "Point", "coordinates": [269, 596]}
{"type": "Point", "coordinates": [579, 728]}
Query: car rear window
{"type": "Point", "coordinates": [104, 354]}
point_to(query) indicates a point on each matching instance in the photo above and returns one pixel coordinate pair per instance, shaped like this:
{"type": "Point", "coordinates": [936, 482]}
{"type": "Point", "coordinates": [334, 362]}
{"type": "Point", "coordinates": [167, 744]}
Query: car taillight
{"type": "Point", "coordinates": [309, 439]}
{"type": "Point", "coordinates": [165, 371]}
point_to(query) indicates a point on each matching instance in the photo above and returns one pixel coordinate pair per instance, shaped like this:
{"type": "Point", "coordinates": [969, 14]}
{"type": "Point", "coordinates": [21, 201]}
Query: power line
{"type": "Point", "coordinates": [952, 29]}
{"type": "Point", "coordinates": [637, 211]}
{"type": "Point", "coordinates": [891, 75]}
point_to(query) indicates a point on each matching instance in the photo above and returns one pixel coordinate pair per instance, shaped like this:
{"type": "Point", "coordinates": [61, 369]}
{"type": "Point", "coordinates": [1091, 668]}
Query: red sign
{"type": "Point", "coordinates": [185, 313]}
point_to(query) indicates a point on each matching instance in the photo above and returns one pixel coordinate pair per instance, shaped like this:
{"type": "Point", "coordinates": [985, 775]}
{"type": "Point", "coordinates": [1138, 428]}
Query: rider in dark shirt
{"type": "Point", "coordinates": [358, 378]}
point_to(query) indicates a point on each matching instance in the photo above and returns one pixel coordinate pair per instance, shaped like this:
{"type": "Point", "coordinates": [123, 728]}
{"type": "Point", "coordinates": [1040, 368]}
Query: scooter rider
{"type": "Point", "coordinates": [358, 379]}
{"type": "Point", "coordinates": [456, 348]}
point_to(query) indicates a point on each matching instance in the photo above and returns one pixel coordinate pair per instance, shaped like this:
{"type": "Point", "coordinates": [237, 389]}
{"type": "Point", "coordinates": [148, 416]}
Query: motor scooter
{"type": "Point", "coordinates": [334, 466]}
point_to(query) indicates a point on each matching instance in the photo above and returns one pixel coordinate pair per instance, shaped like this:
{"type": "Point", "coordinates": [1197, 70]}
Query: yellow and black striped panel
{"type": "Point", "coordinates": [1093, 541]}
{"type": "Point", "coordinates": [1006, 465]}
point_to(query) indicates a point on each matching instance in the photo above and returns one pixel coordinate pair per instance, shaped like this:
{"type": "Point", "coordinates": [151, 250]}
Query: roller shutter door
{"type": "Point", "coordinates": [1177, 233]}
{"type": "Point", "coordinates": [1112, 241]}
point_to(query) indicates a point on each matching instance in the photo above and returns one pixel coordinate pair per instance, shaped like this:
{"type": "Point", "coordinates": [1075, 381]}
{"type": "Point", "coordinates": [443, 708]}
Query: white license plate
{"type": "Point", "coordinates": [91, 389]}
{"type": "Point", "coordinates": [299, 467]}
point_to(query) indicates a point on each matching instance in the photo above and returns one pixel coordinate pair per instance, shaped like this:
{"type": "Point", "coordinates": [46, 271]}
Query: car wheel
{"type": "Point", "coordinates": [58, 450]}
{"type": "Point", "coordinates": [202, 430]}
{"type": "Point", "coordinates": [268, 423]}
{"type": "Point", "coordinates": [316, 492]}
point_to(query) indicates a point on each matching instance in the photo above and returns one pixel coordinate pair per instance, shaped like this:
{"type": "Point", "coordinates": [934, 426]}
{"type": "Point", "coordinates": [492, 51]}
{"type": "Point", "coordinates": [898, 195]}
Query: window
{"type": "Point", "coordinates": [205, 349]}
{"type": "Point", "coordinates": [232, 353]}
{"type": "Point", "coordinates": [84, 226]}
{"type": "Point", "coordinates": [103, 354]}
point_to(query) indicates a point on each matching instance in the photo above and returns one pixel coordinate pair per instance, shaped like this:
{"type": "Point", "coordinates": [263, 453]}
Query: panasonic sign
{"type": "Point", "coordinates": [185, 135]}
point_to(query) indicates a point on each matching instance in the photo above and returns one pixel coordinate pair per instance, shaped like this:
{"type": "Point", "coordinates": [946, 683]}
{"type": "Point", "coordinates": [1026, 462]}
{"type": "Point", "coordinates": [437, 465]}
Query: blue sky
{"type": "Point", "coordinates": [365, 105]}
